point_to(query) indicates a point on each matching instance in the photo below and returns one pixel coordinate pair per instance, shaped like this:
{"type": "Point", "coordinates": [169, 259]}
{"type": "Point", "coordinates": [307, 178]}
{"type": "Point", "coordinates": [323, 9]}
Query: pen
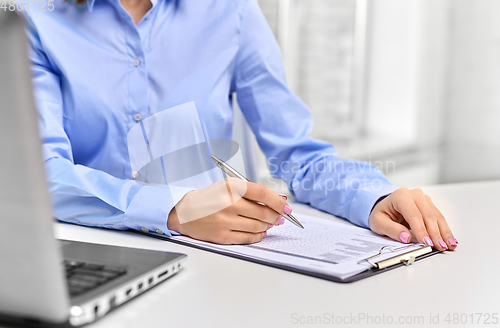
{"type": "Point", "coordinates": [235, 174]}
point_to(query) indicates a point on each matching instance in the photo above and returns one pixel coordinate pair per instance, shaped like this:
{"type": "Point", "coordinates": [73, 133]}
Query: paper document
{"type": "Point", "coordinates": [324, 246]}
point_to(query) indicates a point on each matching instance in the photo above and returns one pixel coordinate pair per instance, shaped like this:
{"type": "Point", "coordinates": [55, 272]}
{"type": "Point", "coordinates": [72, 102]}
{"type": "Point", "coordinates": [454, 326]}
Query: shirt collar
{"type": "Point", "coordinates": [90, 4]}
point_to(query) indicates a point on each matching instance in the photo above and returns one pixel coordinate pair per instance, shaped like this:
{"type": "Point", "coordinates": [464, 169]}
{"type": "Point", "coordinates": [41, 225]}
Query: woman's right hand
{"type": "Point", "coordinates": [226, 212]}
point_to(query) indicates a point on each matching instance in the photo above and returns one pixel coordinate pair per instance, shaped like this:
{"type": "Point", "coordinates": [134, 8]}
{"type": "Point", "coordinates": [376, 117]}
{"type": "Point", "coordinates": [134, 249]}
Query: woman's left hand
{"type": "Point", "coordinates": [406, 210]}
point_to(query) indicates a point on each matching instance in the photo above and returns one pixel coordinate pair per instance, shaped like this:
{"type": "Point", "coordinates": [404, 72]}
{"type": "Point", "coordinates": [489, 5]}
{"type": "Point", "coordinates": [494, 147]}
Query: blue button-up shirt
{"type": "Point", "coordinates": [94, 70]}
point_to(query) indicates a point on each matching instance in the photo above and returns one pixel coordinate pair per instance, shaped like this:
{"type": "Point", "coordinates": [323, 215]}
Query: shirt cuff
{"type": "Point", "coordinates": [363, 202]}
{"type": "Point", "coordinates": [151, 206]}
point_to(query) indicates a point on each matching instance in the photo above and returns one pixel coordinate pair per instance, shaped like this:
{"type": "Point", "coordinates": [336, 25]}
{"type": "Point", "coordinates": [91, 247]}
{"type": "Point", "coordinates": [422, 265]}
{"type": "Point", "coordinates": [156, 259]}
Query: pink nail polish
{"type": "Point", "coordinates": [452, 242]}
{"type": "Point", "coordinates": [456, 241]}
{"type": "Point", "coordinates": [265, 233]}
{"type": "Point", "coordinates": [284, 196]}
{"type": "Point", "coordinates": [281, 221]}
{"type": "Point", "coordinates": [270, 226]}
{"type": "Point", "coordinates": [287, 209]}
{"type": "Point", "coordinates": [443, 244]}
{"type": "Point", "coordinates": [428, 241]}
{"type": "Point", "coordinates": [404, 236]}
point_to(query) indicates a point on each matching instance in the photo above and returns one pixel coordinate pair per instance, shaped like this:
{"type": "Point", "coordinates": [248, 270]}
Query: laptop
{"type": "Point", "coordinates": [44, 281]}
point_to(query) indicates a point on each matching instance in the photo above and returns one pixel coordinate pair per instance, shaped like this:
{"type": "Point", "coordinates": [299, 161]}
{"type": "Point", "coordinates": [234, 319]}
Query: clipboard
{"type": "Point", "coordinates": [377, 267]}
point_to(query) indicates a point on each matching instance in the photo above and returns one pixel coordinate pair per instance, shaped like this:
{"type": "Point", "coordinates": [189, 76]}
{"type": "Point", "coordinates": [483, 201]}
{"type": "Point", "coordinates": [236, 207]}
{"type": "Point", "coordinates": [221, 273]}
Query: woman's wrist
{"type": "Point", "coordinates": [173, 221]}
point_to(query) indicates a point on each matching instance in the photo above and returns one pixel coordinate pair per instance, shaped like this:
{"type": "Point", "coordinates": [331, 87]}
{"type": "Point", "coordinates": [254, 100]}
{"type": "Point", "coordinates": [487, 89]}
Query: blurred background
{"type": "Point", "coordinates": [411, 86]}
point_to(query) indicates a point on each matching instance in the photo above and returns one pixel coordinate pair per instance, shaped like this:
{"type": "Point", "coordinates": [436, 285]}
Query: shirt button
{"type": "Point", "coordinates": [144, 229]}
{"type": "Point", "coordinates": [158, 231]}
{"type": "Point", "coordinates": [135, 174]}
{"type": "Point", "coordinates": [137, 117]}
{"type": "Point", "coordinates": [137, 62]}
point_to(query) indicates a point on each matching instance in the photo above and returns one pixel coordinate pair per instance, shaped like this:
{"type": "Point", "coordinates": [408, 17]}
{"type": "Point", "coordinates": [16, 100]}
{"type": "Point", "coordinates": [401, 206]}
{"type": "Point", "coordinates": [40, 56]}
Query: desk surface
{"type": "Point", "coordinates": [217, 291]}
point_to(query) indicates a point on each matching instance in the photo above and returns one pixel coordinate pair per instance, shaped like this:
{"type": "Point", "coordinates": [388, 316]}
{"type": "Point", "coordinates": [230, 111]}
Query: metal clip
{"type": "Point", "coordinates": [406, 258]}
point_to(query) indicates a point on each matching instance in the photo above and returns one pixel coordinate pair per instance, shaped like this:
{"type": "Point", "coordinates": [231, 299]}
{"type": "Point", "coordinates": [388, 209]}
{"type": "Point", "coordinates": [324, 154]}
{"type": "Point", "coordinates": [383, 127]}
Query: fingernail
{"type": "Point", "coordinates": [443, 244]}
{"type": "Point", "coordinates": [404, 236]}
{"type": "Point", "coordinates": [452, 242]}
{"type": "Point", "coordinates": [270, 226]}
{"type": "Point", "coordinates": [281, 221]}
{"type": "Point", "coordinates": [428, 241]}
{"type": "Point", "coordinates": [456, 241]}
{"type": "Point", "coordinates": [284, 196]}
{"type": "Point", "coordinates": [287, 209]}
{"type": "Point", "coordinates": [265, 233]}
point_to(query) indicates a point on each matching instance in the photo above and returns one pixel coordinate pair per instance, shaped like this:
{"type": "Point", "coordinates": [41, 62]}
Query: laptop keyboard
{"type": "Point", "coordinates": [83, 277]}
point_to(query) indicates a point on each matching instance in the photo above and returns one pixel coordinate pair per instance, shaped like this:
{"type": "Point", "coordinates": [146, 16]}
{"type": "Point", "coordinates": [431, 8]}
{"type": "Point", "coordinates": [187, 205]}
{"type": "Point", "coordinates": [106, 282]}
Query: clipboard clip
{"type": "Point", "coordinates": [406, 258]}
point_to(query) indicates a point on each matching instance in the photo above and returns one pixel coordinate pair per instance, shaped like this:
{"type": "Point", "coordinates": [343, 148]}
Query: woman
{"type": "Point", "coordinates": [102, 67]}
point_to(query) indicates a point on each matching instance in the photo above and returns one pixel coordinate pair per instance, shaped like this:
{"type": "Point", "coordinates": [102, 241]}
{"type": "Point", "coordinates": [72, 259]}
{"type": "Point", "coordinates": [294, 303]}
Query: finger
{"type": "Point", "coordinates": [430, 220]}
{"type": "Point", "coordinates": [265, 195]}
{"type": "Point", "coordinates": [383, 225]}
{"type": "Point", "coordinates": [446, 233]}
{"type": "Point", "coordinates": [243, 238]}
{"type": "Point", "coordinates": [404, 204]}
{"type": "Point", "coordinates": [256, 211]}
{"type": "Point", "coordinates": [245, 224]}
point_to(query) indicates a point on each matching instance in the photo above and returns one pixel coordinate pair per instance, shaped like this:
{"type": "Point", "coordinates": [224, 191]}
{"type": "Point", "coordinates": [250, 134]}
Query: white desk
{"type": "Point", "coordinates": [219, 291]}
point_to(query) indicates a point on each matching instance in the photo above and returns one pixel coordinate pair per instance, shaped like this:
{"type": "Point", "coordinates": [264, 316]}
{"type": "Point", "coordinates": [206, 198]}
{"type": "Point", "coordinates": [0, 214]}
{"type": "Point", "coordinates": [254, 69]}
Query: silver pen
{"type": "Point", "coordinates": [235, 174]}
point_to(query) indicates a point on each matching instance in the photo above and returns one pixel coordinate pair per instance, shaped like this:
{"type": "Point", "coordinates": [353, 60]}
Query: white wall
{"type": "Point", "coordinates": [393, 62]}
{"type": "Point", "coordinates": [434, 83]}
{"type": "Point", "coordinates": [406, 88]}
{"type": "Point", "coordinates": [407, 66]}
{"type": "Point", "coordinates": [472, 125]}
{"type": "Point", "coordinates": [433, 91]}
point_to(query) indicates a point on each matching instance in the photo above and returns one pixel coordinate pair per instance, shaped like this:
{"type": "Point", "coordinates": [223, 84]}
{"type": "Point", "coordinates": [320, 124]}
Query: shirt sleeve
{"type": "Point", "coordinates": [282, 124]}
{"type": "Point", "coordinates": [81, 194]}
